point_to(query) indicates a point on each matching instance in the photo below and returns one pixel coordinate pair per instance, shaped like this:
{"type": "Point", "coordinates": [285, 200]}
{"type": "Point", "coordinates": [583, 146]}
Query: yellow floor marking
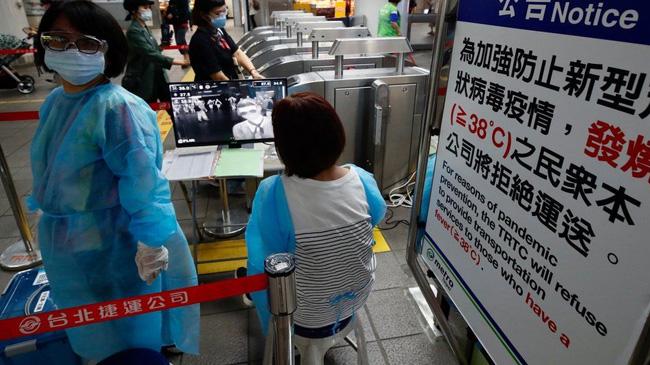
{"type": "Point", "coordinates": [189, 76]}
{"type": "Point", "coordinates": [381, 245]}
{"type": "Point", "coordinates": [233, 252]}
{"type": "Point", "coordinates": [164, 124]}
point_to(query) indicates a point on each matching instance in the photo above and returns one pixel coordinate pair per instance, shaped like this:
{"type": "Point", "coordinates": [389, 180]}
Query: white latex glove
{"type": "Point", "coordinates": [151, 261]}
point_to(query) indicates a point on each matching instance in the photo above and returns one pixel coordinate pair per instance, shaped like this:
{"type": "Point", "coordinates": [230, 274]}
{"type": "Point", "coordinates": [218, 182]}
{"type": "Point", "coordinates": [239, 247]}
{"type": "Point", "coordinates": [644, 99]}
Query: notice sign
{"type": "Point", "coordinates": [539, 222]}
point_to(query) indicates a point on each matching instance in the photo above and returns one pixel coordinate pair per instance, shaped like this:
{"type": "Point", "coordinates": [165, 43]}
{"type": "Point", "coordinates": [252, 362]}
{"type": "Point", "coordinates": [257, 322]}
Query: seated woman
{"type": "Point", "coordinates": [321, 212]}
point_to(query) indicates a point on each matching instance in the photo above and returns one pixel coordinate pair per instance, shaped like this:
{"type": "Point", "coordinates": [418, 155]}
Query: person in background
{"type": "Point", "coordinates": [253, 7]}
{"type": "Point", "coordinates": [430, 9]}
{"type": "Point", "coordinates": [45, 4]}
{"type": "Point", "coordinates": [389, 20]}
{"type": "Point", "coordinates": [321, 212]}
{"type": "Point", "coordinates": [178, 14]}
{"type": "Point", "coordinates": [108, 229]}
{"type": "Point", "coordinates": [166, 31]}
{"type": "Point", "coordinates": [211, 49]}
{"type": "Point", "coordinates": [412, 5]}
{"type": "Point", "coordinates": [146, 67]}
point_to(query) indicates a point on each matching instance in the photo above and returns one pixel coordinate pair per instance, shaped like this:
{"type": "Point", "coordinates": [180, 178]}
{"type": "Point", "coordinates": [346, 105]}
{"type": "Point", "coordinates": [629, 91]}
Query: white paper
{"type": "Point", "coordinates": [200, 165]}
{"type": "Point", "coordinates": [41, 278]}
{"type": "Point", "coordinates": [42, 299]}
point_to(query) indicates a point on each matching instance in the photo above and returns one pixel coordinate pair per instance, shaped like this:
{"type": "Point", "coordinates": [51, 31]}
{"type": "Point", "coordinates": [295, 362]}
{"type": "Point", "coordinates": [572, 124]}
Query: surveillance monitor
{"type": "Point", "coordinates": [224, 112]}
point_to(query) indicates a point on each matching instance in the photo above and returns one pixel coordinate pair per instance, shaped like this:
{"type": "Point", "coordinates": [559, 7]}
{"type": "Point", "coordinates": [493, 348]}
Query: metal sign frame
{"type": "Point", "coordinates": [432, 118]}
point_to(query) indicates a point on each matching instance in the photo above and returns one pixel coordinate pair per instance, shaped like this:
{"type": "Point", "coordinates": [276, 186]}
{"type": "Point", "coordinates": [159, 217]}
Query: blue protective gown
{"type": "Point", "coordinates": [270, 228]}
{"type": "Point", "coordinates": [96, 159]}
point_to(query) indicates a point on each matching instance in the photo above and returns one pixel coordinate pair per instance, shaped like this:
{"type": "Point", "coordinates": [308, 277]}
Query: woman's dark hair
{"type": "Point", "coordinates": [87, 18]}
{"type": "Point", "coordinates": [309, 135]}
{"type": "Point", "coordinates": [200, 16]}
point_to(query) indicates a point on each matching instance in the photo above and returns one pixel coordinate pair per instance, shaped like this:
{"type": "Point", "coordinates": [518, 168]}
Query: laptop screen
{"type": "Point", "coordinates": [224, 112]}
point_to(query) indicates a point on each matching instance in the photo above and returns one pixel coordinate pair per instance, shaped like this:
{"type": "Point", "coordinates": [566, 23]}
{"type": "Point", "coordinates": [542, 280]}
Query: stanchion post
{"type": "Point", "coordinates": [21, 255]}
{"type": "Point", "coordinates": [282, 301]}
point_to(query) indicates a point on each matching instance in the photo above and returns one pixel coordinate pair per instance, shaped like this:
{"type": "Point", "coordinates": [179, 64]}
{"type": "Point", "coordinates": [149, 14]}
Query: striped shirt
{"type": "Point", "coordinates": [335, 264]}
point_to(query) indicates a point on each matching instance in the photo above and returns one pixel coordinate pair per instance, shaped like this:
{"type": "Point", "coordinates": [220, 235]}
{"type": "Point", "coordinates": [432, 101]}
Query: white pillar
{"type": "Point", "coordinates": [370, 8]}
{"type": "Point", "coordinates": [13, 18]}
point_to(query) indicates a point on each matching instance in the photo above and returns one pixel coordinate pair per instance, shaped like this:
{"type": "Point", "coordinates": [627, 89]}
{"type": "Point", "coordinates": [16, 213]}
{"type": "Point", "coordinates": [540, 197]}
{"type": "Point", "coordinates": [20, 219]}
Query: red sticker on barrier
{"type": "Point", "coordinates": [127, 307]}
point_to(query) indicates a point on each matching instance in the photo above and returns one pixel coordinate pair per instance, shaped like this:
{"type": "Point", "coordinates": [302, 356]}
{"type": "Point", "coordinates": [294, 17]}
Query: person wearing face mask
{"type": "Point", "coordinates": [108, 229]}
{"type": "Point", "coordinates": [145, 74]}
{"type": "Point", "coordinates": [211, 49]}
{"type": "Point", "coordinates": [254, 125]}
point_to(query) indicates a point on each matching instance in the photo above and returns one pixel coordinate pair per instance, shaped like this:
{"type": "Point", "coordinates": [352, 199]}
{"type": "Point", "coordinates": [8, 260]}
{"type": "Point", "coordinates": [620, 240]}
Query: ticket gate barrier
{"type": "Point", "coordinates": [383, 138]}
{"type": "Point", "coordinates": [281, 31]}
{"type": "Point", "coordinates": [268, 29]}
{"type": "Point", "coordinates": [274, 52]}
{"type": "Point", "coordinates": [263, 42]}
{"type": "Point", "coordinates": [307, 62]}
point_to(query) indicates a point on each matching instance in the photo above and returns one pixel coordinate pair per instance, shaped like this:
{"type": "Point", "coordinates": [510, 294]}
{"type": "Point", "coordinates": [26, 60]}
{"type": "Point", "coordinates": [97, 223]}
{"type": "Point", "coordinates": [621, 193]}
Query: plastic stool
{"type": "Point", "coordinates": [313, 350]}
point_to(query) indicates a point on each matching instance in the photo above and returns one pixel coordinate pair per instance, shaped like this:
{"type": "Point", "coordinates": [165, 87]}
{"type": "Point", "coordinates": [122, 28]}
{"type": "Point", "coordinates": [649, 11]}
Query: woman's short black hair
{"type": "Point", "coordinates": [309, 135]}
{"type": "Point", "coordinates": [200, 16]}
{"type": "Point", "coordinates": [87, 18]}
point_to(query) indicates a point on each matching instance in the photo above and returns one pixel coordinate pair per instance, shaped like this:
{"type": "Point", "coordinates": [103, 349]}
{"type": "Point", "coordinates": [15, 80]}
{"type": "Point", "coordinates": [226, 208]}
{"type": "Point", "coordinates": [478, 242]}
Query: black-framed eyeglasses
{"type": "Point", "coordinates": [61, 41]}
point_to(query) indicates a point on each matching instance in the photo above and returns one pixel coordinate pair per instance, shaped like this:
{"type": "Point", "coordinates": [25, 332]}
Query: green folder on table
{"type": "Point", "coordinates": [240, 162]}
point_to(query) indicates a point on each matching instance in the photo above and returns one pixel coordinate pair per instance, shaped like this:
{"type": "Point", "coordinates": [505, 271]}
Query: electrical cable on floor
{"type": "Point", "coordinates": [389, 215]}
{"type": "Point", "coordinates": [405, 199]}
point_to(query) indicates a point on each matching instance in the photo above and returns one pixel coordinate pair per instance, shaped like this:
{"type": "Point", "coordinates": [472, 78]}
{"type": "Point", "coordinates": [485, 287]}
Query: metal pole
{"type": "Point", "coordinates": [282, 302]}
{"type": "Point", "coordinates": [314, 49]}
{"type": "Point", "coordinates": [338, 71]}
{"type": "Point", "coordinates": [399, 66]}
{"type": "Point", "coordinates": [425, 141]}
{"type": "Point", "coordinates": [299, 38]}
{"type": "Point", "coordinates": [20, 255]}
{"type": "Point", "coordinates": [266, 14]}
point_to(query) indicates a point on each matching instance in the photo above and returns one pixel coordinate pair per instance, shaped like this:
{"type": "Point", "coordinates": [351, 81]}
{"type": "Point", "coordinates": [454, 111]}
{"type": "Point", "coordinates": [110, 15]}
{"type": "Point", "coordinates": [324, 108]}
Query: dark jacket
{"type": "Point", "coordinates": [180, 11]}
{"type": "Point", "coordinates": [145, 72]}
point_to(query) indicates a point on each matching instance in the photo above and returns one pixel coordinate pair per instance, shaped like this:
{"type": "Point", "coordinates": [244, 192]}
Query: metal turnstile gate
{"type": "Point", "coordinates": [383, 137]}
{"type": "Point", "coordinates": [284, 66]}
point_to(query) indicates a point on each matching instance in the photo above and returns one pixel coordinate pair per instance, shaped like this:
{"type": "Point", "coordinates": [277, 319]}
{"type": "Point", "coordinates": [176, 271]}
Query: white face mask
{"type": "Point", "coordinates": [145, 14]}
{"type": "Point", "coordinates": [75, 67]}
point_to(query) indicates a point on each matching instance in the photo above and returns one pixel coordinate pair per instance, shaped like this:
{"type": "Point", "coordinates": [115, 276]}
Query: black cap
{"type": "Point", "coordinates": [131, 5]}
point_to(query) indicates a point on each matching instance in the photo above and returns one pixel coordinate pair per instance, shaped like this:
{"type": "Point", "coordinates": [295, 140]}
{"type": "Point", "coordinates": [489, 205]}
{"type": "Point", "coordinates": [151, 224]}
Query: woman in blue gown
{"type": "Point", "coordinates": [108, 229]}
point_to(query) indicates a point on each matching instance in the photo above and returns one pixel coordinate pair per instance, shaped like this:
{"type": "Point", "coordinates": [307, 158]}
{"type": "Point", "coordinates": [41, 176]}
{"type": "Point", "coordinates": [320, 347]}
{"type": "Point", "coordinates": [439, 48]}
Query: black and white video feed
{"type": "Point", "coordinates": [223, 112]}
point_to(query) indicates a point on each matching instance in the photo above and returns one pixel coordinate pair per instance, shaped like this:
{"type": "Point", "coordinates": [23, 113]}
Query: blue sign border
{"type": "Point", "coordinates": [514, 13]}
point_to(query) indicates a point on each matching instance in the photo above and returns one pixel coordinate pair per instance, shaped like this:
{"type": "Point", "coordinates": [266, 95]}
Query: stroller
{"type": "Point", "coordinates": [9, 78]}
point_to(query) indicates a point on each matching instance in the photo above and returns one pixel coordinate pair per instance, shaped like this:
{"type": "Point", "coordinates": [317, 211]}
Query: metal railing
{"type": "Point", "coordinates": [282, 300]}
{"type": "Point", "coordinates": [20, 255]}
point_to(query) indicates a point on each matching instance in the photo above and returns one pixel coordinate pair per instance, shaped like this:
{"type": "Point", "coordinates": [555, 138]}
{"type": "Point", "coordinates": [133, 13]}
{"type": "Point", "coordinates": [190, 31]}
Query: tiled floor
{"type": "Point", "coordinates": [394, 328]}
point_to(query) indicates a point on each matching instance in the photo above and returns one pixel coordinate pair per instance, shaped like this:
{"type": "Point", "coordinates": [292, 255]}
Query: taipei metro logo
{"type": "Point", "coordinates": [30, 325]}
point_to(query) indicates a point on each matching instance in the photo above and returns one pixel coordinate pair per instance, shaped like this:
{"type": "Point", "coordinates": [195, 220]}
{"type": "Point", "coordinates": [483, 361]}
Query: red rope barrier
{"type": "Point", "coordinates": [31, 115]}
{"type": "Point", "coordinates": [128, 307]}
{"type": "Point", "coordinates": [16, 116]}
{"type": "Point", "coordinates": [4, 52]}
